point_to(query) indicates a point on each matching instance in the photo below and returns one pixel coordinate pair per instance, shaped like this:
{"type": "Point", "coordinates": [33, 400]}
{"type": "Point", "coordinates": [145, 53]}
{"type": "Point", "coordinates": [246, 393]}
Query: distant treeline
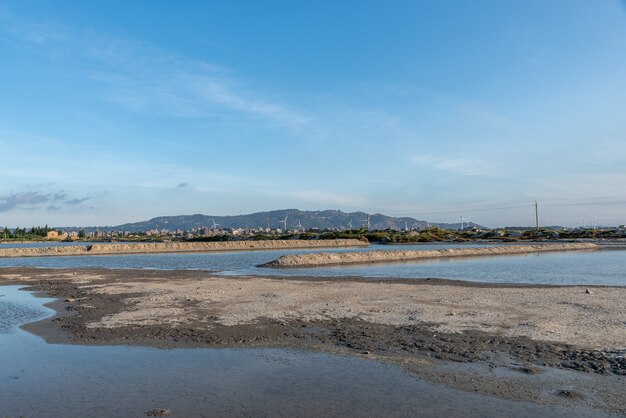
{"type": "Point", "coordinates": [388, 236]}
{"type": "Point", "coordinates": [36, 232]}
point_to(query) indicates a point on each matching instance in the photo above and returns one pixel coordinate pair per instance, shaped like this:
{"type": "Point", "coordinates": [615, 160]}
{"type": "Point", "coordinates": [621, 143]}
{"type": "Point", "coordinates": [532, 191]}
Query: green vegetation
{"type": "Point", "coordinates": [35, 233]}
{"type": "Point", "coordinates": [212, 238]}
{"type": "Point", "coordinates": [389, 236]}
{"type": "Point", "coordinates": [611, 233]}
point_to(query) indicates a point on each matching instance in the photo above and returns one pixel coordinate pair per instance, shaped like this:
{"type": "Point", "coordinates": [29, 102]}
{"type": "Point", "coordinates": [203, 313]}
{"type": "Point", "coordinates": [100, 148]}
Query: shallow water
{"type": "Point", "coordinates": [602, 267]}
{"type": "Point", "coordinates": [40, 379]}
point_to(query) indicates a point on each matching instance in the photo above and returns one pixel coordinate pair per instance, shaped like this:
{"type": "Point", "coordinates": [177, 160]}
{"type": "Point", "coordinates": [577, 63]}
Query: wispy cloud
{"type": "Point", "coordinates": [77, 201]}
{"type": "Point", "coordinates": [462, 166]}
{"type": "Point", "coordinates": [218, 91]}
{"type": "Point", "coordinates": [33, 199]}
{"type": "Point", "coordinates": [23, 199]}
{"type": "Point", "coordinates": [144, 78]}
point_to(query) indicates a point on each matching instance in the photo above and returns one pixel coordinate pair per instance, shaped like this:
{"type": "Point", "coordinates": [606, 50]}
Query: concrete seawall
{"type": "Point", "coordinates": [177, 247]}
{"type": "Point", "coordinates": [329, 259]}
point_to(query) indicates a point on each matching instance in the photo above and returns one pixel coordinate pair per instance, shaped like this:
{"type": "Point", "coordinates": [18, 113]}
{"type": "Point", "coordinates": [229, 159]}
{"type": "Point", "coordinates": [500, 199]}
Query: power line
{"type": "Point", "coordinates": [486, 209]}
{"type": "Point", "coordinates": [496, 208]}
{"type": "Point", "coordinates": [536, 215]}
{"type": "Point", "coordinates": [622, 202]}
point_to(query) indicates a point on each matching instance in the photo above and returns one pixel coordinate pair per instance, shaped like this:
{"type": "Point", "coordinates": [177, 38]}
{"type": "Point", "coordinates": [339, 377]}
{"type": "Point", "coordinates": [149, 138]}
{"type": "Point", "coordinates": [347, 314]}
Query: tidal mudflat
{"type": "Point", "coordinates": [528, 347]}
{"type": "Point", "coordinates": [53, 380]}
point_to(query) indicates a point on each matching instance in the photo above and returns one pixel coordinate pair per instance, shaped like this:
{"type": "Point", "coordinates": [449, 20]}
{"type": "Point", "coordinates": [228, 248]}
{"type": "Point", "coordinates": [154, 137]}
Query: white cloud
{"type": "Point", "coordinates": [462, 166]}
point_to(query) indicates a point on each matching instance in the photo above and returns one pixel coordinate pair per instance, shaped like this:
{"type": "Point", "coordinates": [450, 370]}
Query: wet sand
{"type": "Point", "coordinates": [454, 333]}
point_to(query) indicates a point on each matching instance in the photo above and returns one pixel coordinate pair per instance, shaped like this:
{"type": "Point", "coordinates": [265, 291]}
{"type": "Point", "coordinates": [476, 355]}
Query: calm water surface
{"type": "Point", "coordinates": [602, 267]}
{"type": "Point", "coordinates": [39, 379]}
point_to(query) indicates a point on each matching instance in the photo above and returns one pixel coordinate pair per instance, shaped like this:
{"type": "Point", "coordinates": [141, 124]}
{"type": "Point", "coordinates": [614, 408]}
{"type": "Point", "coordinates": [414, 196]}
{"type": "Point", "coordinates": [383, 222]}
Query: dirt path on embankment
{"type": "Point", "coordinates": [334, 259]}
{"type": "Point", "coordinates": [177, 247]}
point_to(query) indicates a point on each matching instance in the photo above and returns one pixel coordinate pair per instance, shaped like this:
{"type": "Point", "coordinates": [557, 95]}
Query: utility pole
{"type": "Point", "coordinates": [536, 215]}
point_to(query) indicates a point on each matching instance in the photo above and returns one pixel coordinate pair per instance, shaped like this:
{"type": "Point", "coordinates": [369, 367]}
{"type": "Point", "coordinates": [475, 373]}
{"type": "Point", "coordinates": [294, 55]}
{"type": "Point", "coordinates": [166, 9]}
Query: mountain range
{"type": "Point", "coordinates": [324, 219]}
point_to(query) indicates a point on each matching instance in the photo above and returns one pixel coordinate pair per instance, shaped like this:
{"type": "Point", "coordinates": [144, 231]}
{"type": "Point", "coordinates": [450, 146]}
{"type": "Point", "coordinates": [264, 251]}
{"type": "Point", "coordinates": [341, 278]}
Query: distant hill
{"type": "Point", "coordinates": [325, 219]}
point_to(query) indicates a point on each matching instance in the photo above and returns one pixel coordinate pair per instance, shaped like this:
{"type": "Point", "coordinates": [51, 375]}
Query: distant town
{"type": "Point", "coordinates": [388, 235]}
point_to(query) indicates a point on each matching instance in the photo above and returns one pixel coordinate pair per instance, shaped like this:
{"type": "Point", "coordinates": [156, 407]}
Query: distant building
{"type": "Point", "coordinates": [55, 235]}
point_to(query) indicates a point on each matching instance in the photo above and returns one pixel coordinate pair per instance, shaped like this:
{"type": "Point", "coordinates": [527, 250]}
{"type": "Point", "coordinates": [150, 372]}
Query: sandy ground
{"type": "Point", "coordinates": [590, 317]}
{"type": "Point", "coordinates": [410, 322]}
{"type": "Point", "coordinates": [561, 314]}
{"type": "Point", "coordinates": [329, 258]}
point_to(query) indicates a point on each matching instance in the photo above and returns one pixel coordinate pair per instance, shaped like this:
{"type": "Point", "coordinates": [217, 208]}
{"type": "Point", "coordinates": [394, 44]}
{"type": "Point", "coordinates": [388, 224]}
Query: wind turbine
{"type": "Point", "coordinates": [215, 225]}
{"type": "Point", "coordinates": [284, 222]}
{"type": "Point", "coordinates": [350, 225]}
{"type": "Point", "coordinates": [367, 221]}
{"type": "Point", "coordinates": [467, 221]}
{"type": "Point", "coordinates": [299, 227]}
{"type": "Point", "coordinates": [462, 222]}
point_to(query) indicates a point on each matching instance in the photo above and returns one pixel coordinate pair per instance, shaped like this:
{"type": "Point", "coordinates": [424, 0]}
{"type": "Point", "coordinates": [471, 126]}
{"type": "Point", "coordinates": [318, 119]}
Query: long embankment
{"type": "Point", "coordinates": [328, 259]}
{"type": "Point", "coordinates": [176, 247]}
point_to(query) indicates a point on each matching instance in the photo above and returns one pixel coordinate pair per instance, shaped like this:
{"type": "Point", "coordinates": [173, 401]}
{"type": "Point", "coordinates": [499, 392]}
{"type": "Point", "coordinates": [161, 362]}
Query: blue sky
{"type": "Point", "coordinates": [116, 111]}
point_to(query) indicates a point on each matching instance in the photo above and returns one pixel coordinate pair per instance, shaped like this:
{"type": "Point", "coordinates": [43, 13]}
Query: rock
{"type": "Point", "coordinates": [589, 292]}
{"type": "Point", "coordinates": [159, 413]}
{"type": "Point", "coordinates": [570, 394]}
{"type": "Point", "coordinates": [529, 369]}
